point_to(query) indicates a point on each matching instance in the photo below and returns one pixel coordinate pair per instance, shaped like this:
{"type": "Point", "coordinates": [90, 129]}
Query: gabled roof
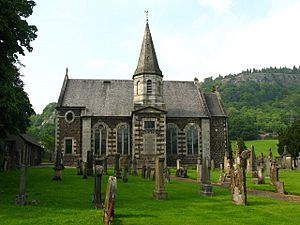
{"type": "Point", "coordinates": [183, 99]}
{"type": "Point", "coordinates": [147, 61]}
{"type": "Point", "coordinates": [100, 97]}
{"type": "Point", "coordinates": [115, 98]}
{"type": "Point", "coordinates": [215, 105]}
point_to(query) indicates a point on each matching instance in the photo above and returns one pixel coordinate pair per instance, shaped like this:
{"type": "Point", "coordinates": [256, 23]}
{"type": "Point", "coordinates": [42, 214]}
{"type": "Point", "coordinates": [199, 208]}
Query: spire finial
{"type": "Point", "coordinates": [147, 14]}
{"type": "Point", "coordinates": [67, 70]}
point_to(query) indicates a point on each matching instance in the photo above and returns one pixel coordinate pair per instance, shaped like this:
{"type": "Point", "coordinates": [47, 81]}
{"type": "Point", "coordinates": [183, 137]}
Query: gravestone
{"type": "Point", "coordinates": [167, 173]}
{"type": "Point", "coordinates": [268, 166]}
{"type": "Point", "coordinates": [21, 198]}
{"type": "Point", "coordinates": [84, 175]}
{"type": "Point", "coordinates": [178, 164]}
{"type": "Point", "coordinates": [206, 187]}
{"type": "Point", "coordinates": [97, 186]}
{"type": "Point", "coordinates": [238, 182]}
{"type": "Point", "coordinates": [104, 165]}
{"type": "Point", "coordinates": [58, 166]}
{"type": "Point", "coordinates": [288, 162]}
{"type": "Point", "coordinates": [212, 165]}
{"type": "Point", "coordinates": [117, 166]}
{"type": "Point", "coordinates": [79, 166]}
{"type": "Point", "coordinates": [148, 172]}
{"type": "Point", "coordinates": [109, 204]}
{"type": "Point", "coordinates": [261, 178]}
{"type": "Point", "coordinates": [198, 169]}
{"type": "Point", "coordinates": [125, 175]}
{"type": "Point", "coordinates": [274, 179]}
{"type": "Point", "coordinates": [134, 167]}
{"type": "Point", "coordinates": [159, 191]}
{"type": "Point", "coordinates": [90, 160]}
{"type": "Point", "coordinates": [144, 168]}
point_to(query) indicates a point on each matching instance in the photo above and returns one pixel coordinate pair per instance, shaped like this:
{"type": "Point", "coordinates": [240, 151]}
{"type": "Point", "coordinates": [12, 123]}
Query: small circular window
{"type": "Point", "coordinates": [69, 116]}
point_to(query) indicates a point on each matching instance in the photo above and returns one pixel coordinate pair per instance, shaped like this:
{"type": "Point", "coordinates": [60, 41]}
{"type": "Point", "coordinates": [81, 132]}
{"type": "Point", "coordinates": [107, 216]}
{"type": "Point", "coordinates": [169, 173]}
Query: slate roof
{"type": "Point", "coordinates": [214, 104]}
{"type": "Point", "coordinates": [115, 98]}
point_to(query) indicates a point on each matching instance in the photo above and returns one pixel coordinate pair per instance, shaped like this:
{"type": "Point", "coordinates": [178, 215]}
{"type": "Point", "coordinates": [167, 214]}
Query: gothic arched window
{"type": "Point", "coordinates": [123, 139]}
{"type": "Point", "coordinates": [149, 87]}
{"type": "Point", "coordinates": [192, 140]}
{"type": "Point", "coordinates": [171, 139]}
{"type": "Point", "coordinates": [100, 140]}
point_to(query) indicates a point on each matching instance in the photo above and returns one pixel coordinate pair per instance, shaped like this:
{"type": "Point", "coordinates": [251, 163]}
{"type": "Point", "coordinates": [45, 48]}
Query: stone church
{"type": "Point", "coordinates": [140, 118]}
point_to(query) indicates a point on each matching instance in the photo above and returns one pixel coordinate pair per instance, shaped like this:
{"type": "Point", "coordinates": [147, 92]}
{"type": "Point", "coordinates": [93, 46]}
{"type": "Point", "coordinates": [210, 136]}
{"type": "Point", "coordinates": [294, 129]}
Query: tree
{"type": "Point", "coordinates": [15, 37]}
{"type": "Point", "coordinates": [290, 138]}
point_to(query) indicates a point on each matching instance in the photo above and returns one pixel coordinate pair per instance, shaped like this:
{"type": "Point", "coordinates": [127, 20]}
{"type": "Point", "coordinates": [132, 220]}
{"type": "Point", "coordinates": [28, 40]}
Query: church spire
{"type": "Point", "coordinates": [147, 61]}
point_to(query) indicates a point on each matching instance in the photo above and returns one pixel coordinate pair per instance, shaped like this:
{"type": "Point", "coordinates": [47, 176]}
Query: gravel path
{"type": "Point", "coordinates": [270, 194]}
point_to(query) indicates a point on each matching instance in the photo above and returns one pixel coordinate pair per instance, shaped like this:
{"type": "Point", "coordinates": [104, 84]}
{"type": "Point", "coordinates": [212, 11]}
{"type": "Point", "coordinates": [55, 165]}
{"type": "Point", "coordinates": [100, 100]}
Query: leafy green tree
{"type": "Point", "coordinates": [290, 137]}
{"type": "Point", "coordinates": [15, 37]}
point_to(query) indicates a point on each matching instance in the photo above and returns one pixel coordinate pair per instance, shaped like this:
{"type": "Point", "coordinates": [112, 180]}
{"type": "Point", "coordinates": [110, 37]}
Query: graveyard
{"type": "Point", "coordinates": [70, 200]}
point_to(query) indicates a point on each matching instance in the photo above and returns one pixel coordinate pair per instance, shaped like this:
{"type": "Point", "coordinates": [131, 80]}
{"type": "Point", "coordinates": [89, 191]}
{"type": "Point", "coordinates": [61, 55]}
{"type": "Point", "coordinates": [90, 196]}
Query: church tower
{"type": "Point", "coordinates": [149, 115]}
{"type": "Point", "coordinates": [148, 86]}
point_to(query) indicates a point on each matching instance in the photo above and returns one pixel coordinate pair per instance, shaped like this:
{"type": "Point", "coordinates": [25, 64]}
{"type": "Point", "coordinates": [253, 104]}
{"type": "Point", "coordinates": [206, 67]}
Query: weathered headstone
{"type": "Point", "coordinates": [178, 164]}
{"type": "Point", "coordinates": [212, 165]}
{"type": "Point", "coordinates": [134, 167]}
{"type": "Point", "coordinates": [109, 204]}
{"type": "Point", "coordinates": [144, 168]}
{"type": "Point", "coordinates": [58, 166]}
{"type": "Point", "coordinates": [159, 192]}
{"type": "Point", "coordinates": [238, 182]}
{"type": "Point", "coordinates": [97, 186]}
{"type": "Point", "coordinates": [198, 170]}
{"type": "Point", "coordinates": [125, 175]}
{"type": "Point", "coordinates": [104, 165]}
{"type": "Point", "coordinates": [148, 172]}
{"type": "Point", "coordinates": [21, 198]}
{"type": "Point", "coordinates": [268, 166]}
{"type": "Point", "coordinates": [89, 163]}
{"type": "Point", "coordinates": [253, 161]}
{"type": "Point", "coordinates": [84, 175]}
{"type": "Point", "coordinates": [166, 175]}
{"type": "Point", "coordinates": [117, 166]}
{"type": "Point", "coordinates": [261, 178]}
{"type": "Point", "coordinates": [79, 166]}
{"type": "Point", "coordinates": [206, 187]}
{"type": "Point", "coordinates": [274, 179]}
{"type": "Point", "coordinates": [288, 162]}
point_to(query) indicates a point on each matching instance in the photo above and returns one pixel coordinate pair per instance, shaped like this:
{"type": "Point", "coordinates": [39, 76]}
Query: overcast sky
{"type": "Point", "coordinates": [98, 39]}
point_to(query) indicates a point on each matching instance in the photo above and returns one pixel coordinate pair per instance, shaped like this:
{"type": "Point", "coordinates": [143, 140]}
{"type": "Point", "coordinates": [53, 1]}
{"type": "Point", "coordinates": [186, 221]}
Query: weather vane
{"type": "Point", "coordinates": [146, 11]}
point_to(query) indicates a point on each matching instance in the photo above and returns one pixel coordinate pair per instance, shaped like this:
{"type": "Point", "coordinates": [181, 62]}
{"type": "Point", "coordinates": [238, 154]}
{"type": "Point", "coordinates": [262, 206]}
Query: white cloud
{"type": "Point", "coordinates": [218, 6]}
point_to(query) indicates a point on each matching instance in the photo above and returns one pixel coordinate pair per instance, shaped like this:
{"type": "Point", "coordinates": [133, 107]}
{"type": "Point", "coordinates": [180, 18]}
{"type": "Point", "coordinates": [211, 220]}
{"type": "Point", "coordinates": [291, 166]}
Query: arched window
{"type": "Point", "coordinates": [137, 87]}
{"type": "Point", "coordinates": [171, 139]}
{"type": "Point", "coordinates": [123, 139]}
{"type": "Point", "coordinates": [192, 140]}
{"type": "Point", "coordinates": [149, 87]}
{"type": "Point", "coordinates": [100, 140]}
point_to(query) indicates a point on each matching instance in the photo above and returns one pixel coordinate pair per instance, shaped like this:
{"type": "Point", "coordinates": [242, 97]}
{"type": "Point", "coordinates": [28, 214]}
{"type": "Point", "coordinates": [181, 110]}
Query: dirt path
{"type": "Point", "coordinates": [284, 197]}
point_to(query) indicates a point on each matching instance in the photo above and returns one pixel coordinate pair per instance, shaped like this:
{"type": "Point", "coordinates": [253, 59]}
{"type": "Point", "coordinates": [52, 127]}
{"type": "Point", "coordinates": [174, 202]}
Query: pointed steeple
{"type": "Point", "coordinates": [147, 61]}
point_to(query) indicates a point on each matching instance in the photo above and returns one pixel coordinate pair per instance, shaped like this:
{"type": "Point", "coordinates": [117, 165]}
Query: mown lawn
{"type": "Point", "coordinates": [69, 202]}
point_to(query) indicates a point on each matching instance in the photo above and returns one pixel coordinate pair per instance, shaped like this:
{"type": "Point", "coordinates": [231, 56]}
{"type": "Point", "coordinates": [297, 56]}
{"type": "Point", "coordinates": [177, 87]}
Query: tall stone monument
{"type": "Point", "coordinates": [97, 187]}
{"type": "Point", "coordinates": [159, 191]}
{"type": "Point", "coordinates": [206, 187]}
{"type": "Point", "coordinates": [238, 181]}
{"type": "Point", "coordinates": [117, 166]}
{"type": "Point", "coordinates": [22, 197]}
{"type": "Point", "coordinates": [109, 204]}
{"type": "Point", "coordinates": [58, 166]}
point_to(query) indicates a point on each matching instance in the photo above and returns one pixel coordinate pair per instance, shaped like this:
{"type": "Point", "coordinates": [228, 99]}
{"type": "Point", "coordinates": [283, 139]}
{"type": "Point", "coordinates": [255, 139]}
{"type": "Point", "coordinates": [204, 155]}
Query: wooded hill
{"type": "Point", "coordinates": [258, 101]}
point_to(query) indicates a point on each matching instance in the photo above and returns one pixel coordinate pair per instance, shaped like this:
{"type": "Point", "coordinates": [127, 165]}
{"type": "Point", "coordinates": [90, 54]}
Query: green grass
{"type": "Point", "coordinates": [261, 146]}
{"type": "Point", "coordinates": [69, 202]}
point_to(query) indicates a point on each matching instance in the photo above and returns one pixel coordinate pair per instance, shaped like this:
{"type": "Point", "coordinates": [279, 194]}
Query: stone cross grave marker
{"type": "Point", "coordinates": [159, 191]}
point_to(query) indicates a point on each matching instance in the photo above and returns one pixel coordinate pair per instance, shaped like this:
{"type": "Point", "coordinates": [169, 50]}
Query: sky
{"type": "Point", "coordinates": [101, 39]}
